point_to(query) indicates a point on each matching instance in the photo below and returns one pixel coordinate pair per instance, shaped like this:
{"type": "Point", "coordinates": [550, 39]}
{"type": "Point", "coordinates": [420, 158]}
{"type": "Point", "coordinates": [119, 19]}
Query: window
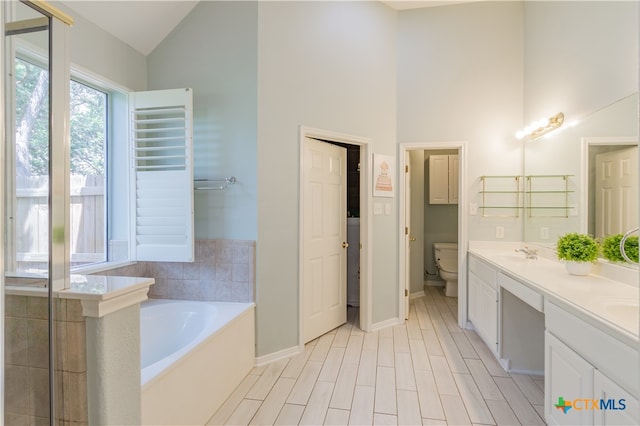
{"type": "Point", "coordinates": [88, 141]}
{"type": "Point", "coordinates": [88, 129]}
{"type": "Point", "coordinates": [127, 197]}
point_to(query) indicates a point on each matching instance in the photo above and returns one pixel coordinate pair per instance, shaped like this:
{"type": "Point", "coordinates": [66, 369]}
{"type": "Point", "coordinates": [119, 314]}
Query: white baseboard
{"type": "Point", "coordinates": [527, 372]}
{"type": "Point", "coordinates": [276, 356]}
{"type": "Point", "coordinates": [416, 295]}
{"type": "Point", "coordinates": [386, 323]}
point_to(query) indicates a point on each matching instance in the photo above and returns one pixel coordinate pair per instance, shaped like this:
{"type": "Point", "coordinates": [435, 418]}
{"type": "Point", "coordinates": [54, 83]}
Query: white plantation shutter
{"type": "Point", "coordinates": [162, 166]}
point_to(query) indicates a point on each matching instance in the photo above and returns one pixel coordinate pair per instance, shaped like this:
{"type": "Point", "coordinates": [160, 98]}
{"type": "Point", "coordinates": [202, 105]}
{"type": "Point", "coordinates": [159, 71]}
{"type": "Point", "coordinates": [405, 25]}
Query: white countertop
{"type": "Point", "coordinates": [100, 294]}
{"type": "Point", "coordinates": [605, 302]}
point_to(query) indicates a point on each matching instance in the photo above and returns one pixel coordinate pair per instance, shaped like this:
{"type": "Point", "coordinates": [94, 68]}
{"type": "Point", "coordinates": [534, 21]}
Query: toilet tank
{"type": "Point", "coordinates": [448, 255]}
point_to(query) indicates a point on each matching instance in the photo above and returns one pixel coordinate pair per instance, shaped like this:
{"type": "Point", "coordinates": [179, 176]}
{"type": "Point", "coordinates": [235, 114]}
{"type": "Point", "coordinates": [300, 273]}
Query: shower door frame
{"type": "Point", "coordinates": [59, 196]}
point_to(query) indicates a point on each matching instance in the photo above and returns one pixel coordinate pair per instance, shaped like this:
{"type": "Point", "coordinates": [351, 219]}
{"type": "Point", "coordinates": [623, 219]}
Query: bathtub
{"type": "Point", "coordinates": [193, 355]}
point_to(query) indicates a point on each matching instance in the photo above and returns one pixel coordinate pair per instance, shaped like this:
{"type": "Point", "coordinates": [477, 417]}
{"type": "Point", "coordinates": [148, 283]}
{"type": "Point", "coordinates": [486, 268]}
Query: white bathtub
{"type": "Point", "coordinates": [193, 355]}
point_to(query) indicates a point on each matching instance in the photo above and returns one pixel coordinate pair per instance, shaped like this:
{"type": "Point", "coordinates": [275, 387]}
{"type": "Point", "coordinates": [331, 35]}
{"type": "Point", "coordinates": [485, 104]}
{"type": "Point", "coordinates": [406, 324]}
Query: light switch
{"type": "Point", "coordinates": [473, 209]}
{"type": "Point", "coordinates": [499, 231]}
{"type": "Point", "coordinates": [377, 209]}
{"type": "Point", "coordinates": [544, 233]}
{"type": "Point", "coordinates": [387, 209]}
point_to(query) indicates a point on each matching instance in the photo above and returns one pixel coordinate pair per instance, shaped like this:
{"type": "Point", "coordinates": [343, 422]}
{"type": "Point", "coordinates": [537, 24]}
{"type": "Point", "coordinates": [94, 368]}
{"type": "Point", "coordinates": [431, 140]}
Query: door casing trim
{"type": "Point", "coordinates": [461, 146]}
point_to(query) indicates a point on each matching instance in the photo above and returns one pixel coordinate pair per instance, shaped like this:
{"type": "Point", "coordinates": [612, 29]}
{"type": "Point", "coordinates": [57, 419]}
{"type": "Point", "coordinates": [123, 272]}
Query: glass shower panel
{"type": "Point", "coordinates": [28, 316]}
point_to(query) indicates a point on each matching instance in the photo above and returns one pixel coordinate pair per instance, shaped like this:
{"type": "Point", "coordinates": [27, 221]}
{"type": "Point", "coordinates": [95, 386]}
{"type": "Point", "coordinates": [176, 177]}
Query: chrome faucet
{"type": "Point", "coordinates": [529, 253]}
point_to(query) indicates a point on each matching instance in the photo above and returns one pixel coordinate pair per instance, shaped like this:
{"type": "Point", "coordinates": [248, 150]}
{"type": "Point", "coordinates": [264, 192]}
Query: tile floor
{"type": "Point", "coordinates": [427, 371]}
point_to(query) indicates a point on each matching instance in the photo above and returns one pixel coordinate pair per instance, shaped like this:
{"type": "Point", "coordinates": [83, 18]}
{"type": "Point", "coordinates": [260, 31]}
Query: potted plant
{"type": "Point", "coordinates": [611, 248]}
{"type": "Point", "coordinates": [579, 251]}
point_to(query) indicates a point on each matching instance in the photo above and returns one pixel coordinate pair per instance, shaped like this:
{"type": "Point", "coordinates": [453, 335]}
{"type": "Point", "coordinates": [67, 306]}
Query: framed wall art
{"type": "Point", "coordinates": [383, 175]}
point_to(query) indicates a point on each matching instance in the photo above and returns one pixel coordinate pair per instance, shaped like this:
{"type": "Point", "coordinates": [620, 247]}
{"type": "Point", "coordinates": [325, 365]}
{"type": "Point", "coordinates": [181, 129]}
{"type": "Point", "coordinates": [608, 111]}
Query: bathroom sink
{"type": "Point", "coordinates": [623, 308]}
{"type": "Point", "coordinates": [514, 258]}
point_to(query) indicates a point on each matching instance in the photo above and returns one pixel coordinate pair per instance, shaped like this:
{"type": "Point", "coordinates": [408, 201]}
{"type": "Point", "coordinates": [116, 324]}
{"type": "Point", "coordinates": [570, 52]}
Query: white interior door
{"type": "Point", "coordinates": [324, 238]}
{"type": "Point", "coordinates": [407, 233]}
{"type": "Point", "coordinates": [616, 191]}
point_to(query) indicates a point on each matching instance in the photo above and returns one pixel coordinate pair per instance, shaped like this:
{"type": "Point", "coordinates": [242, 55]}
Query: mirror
{"type": "Point", "coordinates": [562, 191]}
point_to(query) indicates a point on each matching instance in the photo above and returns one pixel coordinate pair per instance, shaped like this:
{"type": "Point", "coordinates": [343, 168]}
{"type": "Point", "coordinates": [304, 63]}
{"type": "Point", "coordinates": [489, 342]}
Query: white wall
{"type": "Point", "coordinates": [327, 65]}
{"type": "Point", "coordinates": [579, 56]}
{"type": "Point", "coordinates": [95, 50]}
{"type": "Point", "coordinates": [460, 72]}
{"type": "Point", "coordinates": [214, 51]}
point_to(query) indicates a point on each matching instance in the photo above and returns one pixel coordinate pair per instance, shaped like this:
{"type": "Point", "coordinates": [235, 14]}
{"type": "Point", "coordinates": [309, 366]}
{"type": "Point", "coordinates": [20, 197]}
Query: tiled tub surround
{"type": "Point", "coordinates": [223, 271]}
{"type": "Point", "coordinates": [26, 361]}
{"type": "Point", "coordinates": [87, 319]}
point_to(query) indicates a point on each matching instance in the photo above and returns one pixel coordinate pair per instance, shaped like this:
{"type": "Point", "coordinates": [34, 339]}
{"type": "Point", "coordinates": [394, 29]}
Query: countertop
{"type": "Point", "coordinates": [100, 294]}
{"type": "Point", "coordinates": [604, 302]}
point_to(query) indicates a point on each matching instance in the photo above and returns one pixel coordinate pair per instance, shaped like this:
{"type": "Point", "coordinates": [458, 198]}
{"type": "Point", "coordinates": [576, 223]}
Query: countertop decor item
{"type": "Point", "coordinates": [611, 248]}
{"type": "Point", "coordinates": [579, 251]}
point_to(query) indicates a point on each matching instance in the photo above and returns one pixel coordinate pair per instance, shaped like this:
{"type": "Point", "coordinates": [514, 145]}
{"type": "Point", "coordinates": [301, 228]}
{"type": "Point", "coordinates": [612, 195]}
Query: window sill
{"type": "Point", "coordinates": [101, 267]}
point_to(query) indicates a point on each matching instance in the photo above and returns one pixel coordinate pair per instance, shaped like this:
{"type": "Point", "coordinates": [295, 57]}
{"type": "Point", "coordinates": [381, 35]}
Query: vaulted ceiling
{"type": "Point", "coordinates": [143, 24]}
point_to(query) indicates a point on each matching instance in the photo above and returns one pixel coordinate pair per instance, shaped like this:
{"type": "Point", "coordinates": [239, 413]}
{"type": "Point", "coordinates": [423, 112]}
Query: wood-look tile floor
{"type": "Point", "coordinates": [427, 371]}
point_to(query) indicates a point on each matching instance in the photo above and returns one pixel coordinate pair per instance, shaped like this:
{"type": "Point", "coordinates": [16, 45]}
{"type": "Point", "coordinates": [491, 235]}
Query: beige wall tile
{"type": "Point", "coordinates": [17, 345]}
{"type": "Point", "coordinates": [76, 347]}
{"type": "Point", "coordinates": [38, 340]}
{"type": "Point", "coordinates": [15, 306]}
{"type": "Point", "coordinates": [75, 397]}
{"type": "Point", "coordinates": [74, 311]}
{"type": "Point", "coordinates": [16, 396]}
{"type": "Point", "coordinates": [38, 307]}
{"type": "Point", "coordinates": [39, 392]}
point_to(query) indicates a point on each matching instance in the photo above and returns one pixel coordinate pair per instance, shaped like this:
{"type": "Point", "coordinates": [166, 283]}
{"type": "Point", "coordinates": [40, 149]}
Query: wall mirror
{"type": "Point", "coordinates": [565, 164]}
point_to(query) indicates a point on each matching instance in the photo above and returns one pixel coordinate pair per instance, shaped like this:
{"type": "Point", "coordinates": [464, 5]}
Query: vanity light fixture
{"type": "Point", "coordinates": [541, 127]}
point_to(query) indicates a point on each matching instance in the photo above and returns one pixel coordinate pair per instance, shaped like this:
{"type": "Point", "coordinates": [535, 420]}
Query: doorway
{"type": "Point", "coordinates": [609, 211]}
{"type": "Point", "coordinates": [425, 223]}
{"type": "Point", "coordinates": [355, 213]}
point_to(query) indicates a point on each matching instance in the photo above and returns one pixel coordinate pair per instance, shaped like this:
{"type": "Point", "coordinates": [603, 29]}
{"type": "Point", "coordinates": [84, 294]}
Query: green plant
{"type": "Point", "coordinates": [577, 247]}
{"type": "Point", "coordinates": [611, 248]}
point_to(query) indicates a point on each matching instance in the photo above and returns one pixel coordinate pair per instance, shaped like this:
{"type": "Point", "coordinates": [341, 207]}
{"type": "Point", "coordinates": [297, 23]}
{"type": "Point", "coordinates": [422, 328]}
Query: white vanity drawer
{"type": "Point", "coordinates": [522, 292]}
{"type": "Point", "coordinates": [607, 354]}
{"type": "Point", "coordinates": [483, 270]}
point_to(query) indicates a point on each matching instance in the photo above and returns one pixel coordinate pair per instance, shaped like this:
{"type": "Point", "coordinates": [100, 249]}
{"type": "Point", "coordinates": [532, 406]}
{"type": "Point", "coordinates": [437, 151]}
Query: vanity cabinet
{"type": "Point", "coordinates": [483, 301]}
{"type": "Point", "coordinates": [586, 364]}
{"type": "Point", "coordinates": [443, 179]}
{"type": "Point", "coordinates": [567, 377]}
{"type": "Point", "coordinates": [605, 388]}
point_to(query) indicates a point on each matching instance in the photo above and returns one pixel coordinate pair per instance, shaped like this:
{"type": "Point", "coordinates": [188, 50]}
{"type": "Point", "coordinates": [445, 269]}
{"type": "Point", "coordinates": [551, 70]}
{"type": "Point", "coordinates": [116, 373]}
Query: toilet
{"type": "Point", "coordinates": [446, 257]}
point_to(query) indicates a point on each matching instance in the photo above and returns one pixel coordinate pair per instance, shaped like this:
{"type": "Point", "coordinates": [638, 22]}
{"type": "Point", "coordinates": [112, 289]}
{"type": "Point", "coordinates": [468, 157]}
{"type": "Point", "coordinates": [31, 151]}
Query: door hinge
{"type": "Point", "coordinates": [406, 292]}
{"type": "Point", "coordinates": [406, 230]}
{"type": "Point", "coordinates": [406, 169]}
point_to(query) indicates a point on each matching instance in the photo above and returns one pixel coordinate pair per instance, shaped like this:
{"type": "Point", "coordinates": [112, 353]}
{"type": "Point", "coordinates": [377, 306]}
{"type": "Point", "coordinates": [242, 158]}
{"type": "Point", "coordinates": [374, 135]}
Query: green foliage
{"type": "Point", "coordinates": [88, 117]}
{"type": "Point", "coordinates": [611, 248]}
{"type": "Point", "coordinates": [577, 247]}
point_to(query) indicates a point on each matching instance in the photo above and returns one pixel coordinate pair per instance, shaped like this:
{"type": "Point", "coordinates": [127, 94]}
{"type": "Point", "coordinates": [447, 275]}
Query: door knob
{"type": "Point", "coordinates": [345, 244]}
{"type": "Point", "coordinates": [412, 239]}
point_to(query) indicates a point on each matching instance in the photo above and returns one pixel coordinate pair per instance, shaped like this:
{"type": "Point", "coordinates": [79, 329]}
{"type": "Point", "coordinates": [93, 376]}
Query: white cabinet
{"type": "Point", "coordinates": [483, 301]}
{"type": "Point", "coordinates": [567, 377]}
{"type": "Point", "coordinates": [621, 407]}
{"type": "Point", "coordinates": [443, 179]}
{"type": "Point", "coordinates": [587, 366]}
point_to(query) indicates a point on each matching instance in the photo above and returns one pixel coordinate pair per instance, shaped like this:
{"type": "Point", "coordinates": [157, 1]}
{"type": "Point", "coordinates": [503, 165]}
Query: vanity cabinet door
{"type": "Point", "coordinates": [483, 311]}
{"type": "Point", "coordinates": [621, 407]}
{"type": "Point", "coordinates": [568, 377]}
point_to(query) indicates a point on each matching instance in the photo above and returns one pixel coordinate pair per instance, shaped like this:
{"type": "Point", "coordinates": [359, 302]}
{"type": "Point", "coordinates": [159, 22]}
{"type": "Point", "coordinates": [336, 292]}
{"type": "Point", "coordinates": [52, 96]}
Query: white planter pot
{"type": "Point", "coordinates": [578, 268]}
